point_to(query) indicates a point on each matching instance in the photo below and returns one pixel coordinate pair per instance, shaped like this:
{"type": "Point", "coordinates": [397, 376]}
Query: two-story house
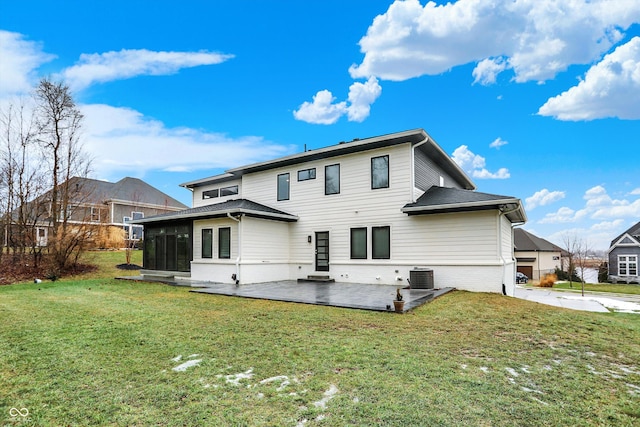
{"type": "Point", "coordinates": [99, 204]}
{"type": "Point", "coordinates": [624, 254]}
{"type": "Point", "coordinates": [365, 211]}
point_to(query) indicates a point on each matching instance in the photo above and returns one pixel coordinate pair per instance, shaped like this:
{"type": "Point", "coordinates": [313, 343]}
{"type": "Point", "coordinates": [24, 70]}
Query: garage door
{"type": "Point", "coordinates": [527, 271]}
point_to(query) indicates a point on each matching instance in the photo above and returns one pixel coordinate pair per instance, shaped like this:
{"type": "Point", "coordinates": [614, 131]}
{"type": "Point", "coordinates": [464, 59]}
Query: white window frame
{"type": "Point", "coordinates": [627, 265]}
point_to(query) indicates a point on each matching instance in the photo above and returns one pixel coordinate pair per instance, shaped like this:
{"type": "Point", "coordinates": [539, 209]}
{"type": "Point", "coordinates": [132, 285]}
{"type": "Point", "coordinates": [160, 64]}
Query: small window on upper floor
{"type": "Point", "coordinates": [283, 186]}
{"type": "Point", "coordinates": [307, 174]}
{"type": "Point", "coordinates": [229, 191]}
{"type": "Point", "coordinates": [332, 179]}
{"type": "Point", "coordinates": [380, 172]}
{"type": "Point", "coordinates": [210, 194]}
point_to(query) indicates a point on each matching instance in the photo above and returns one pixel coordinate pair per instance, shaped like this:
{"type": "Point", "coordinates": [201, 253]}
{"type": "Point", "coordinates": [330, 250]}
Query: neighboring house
{"type": "Point", "coordinates": [535, 256]}
{"type": "Point", "coordinates": [106, 204]}
{"type": "Point", "coordinates": [365, 211]}
{"type": "Point", "coordinates": [624, 254]}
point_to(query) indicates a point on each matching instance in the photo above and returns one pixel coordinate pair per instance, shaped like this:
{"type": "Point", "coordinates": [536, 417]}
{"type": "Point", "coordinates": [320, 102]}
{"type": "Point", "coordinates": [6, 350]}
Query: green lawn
{"type": "Point", "coordinates": [600, 287]}
{"type": "Point", "coordinates": [101, 352]}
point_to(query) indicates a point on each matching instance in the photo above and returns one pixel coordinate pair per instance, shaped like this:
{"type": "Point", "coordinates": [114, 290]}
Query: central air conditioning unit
{"type": "Point", "coordinates": [421, 278]}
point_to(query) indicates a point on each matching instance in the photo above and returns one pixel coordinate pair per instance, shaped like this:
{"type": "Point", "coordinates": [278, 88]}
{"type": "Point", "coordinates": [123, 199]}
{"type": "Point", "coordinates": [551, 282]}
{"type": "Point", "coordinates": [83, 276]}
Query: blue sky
{"type": "Point", "coordinates": [533, 99]}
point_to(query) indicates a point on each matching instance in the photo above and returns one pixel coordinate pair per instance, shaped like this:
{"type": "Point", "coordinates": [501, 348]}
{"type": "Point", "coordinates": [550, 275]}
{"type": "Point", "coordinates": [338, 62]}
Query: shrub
{"type": "Point", "coordinates": [548, 280]}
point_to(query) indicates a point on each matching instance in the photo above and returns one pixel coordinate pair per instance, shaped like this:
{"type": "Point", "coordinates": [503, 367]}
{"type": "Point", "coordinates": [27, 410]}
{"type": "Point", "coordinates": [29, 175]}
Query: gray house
{"type": "Point", "coordinates": [623, 256]}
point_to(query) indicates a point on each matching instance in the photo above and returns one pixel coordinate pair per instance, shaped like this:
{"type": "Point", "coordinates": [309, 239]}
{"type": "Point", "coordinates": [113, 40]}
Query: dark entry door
{"type": "Point", "coordinates": [322, 251]}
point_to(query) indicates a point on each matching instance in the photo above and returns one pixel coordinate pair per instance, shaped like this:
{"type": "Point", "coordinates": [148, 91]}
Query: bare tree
{"type": "Point", "coordinates": [579, 253]}
{"type": "Point", "coordinates": [59, 126]}
{"type": "Point", "coordinates": [21, 173]}
{"type": "Point", "coordinates": [571, 244]}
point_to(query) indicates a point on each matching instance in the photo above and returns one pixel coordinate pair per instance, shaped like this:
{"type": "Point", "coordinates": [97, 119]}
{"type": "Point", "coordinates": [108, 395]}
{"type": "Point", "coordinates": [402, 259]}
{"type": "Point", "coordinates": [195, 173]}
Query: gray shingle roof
{"type": "Point", "coordinates": [444, 199]}
{"type": "Point", "coordinates": [128, 189]}
{"type": "Point", "coordinates": [633, 231]}
{"type": "Point", "coordinates": [525, 241]}
{"type": "Point", "coordinates": [217, 210]}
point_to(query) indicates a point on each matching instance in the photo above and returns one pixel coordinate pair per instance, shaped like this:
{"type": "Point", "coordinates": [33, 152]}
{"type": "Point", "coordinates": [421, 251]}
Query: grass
{"type": "Point", "coordinates": [600, 287]}
{"type": "Point", "coordinates": [98, 351]}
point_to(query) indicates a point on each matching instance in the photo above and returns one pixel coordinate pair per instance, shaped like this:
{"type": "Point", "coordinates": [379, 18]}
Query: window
{"type": "Point", "coordinates": [380, 172]}
{"type": "Point", "coordinates": [224, 242]}
{"type": "Point", "coordinates": [127, 228]}
{"type": "Point", "coordinates": [380, 242]}
{"type": "Point", "coordinates": [137, 215]}
{"type": "Point", "coordinates": [95, 214]}
{"type": "Point", "coordinates": [209, 194]}
{"type": "Point", "coordinates": [307, 174]}
{"type": "Point", "coordinates": [628, 265]}
{"type": "Point", "coordinates": [229, 191]}
{"type": "Point", "coordinates": [207, 243]}
{"type": "Point", "coordinates": [332, 179]}
{"type": "Point", "coordinates": [359, 243]}
{"type": "Point", "coordinates": [283, 186]}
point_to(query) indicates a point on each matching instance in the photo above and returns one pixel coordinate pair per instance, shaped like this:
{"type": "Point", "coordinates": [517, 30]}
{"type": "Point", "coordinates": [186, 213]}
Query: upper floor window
{"type": "Point", "coordinates": [307, 174]}
{"type": "Point", "coordinates": [628, 265]}
{"type": "Point", "coordinates": [210, 194]}
{"type": "Point", "coordinates": [283, 186]}
{"type": "Point", "coordinates": [332, 179]}
{"type": "Point", "coordinates": [380, 172]}
{"type": "Point", "coordinates": [229, 191]}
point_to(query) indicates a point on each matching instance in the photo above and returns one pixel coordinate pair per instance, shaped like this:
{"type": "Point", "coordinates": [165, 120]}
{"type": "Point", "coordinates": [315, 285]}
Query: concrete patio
{"type": "Point", "coordinates": [348, 295]}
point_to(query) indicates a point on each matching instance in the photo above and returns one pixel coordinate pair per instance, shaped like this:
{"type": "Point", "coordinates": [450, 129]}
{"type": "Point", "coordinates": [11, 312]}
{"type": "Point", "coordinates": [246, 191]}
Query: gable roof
{"type": "Point", "coordinates": [219, 210]}
{"type": "Point", "coordinates": [527, 242]}
{"type": "Point", "coordinates": [444, 200]}
{"type": "Point", "coordinates": [414, 137]}
{"type": "Point", "coordinates": [633, 232]}
{"type": "Point", "coordinates": [132, 190]}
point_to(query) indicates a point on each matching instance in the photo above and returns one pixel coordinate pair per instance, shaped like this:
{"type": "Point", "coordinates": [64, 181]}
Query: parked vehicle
{"type": "Point", "coordinates": [521, 278]}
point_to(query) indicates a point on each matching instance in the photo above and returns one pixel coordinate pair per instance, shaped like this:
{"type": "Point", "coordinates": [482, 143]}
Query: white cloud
{"type": "Point", "coordinates": [534, 38]}
{"type": "Point", "coordinates": [127, 63]}
{"type": "Point", "coordinates": [543, 197]}
{"type": "Point", "coordinates": [498, 142]}
{"type": "Point", "coordinates": [599, 206]}
{"type": "Point", "coordinates": [610, 88]}
{"type": "Point", "coordinates": [324, 110]}
{"type": "Point", "coordinates": [474, 164]}
{"type": "Point", "coordinates": [361, 96]}
{"type": "Point", "coordinates": [488, 69]}
{"type": "Point", "coordinates": [122, 140]}
{"type": "Point", "coordinates": [608, 225]}
{"type": "Point", "coordinates": [635, 192]}
{"type": "Point", "coordinates": [563, 215]}
{"type": "Point", "coordinates": [20, 59]}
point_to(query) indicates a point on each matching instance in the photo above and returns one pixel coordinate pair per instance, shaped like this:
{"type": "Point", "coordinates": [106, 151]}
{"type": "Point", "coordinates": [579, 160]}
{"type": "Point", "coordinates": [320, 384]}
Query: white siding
{"type": "Point", "coordinates": [469, 251]}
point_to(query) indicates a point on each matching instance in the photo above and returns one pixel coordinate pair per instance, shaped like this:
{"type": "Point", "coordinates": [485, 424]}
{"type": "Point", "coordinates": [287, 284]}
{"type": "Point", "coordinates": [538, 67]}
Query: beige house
{"type": "Point", "coordinates": [367, 211]}
{"type": "Point", "coordinates": [535, 256]}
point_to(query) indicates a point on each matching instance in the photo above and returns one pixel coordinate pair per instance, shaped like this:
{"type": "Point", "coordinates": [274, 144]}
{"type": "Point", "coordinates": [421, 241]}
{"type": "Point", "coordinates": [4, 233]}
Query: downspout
{"type": "Point", "coordinates": [504, 263]}
{"type": "Point", "coordinates": [237, 275]}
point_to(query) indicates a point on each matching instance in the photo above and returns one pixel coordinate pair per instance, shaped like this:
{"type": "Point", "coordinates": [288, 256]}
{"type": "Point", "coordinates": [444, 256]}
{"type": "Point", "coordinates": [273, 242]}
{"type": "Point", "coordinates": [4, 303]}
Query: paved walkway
{"type": "Point", "coordinates": [592, 301]}
{"type": "Point", "coordinates": [349, 295]}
